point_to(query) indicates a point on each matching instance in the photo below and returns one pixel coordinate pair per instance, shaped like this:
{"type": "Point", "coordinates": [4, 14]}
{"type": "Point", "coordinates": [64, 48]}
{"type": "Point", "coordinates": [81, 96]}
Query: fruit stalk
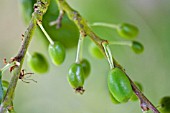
{"type": "Point", "coordinates": [86, 30]}
{"type": "Point", "coordinates": [39, 10]}
{"type": "Point", "coordinates": [79, 49]}
{"type": "Point", "coordinates": [45, 33]}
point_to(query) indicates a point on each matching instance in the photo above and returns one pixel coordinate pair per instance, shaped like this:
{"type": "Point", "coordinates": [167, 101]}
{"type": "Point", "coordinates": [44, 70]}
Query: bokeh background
{"type": "Point", "coordinates": [52, 93]}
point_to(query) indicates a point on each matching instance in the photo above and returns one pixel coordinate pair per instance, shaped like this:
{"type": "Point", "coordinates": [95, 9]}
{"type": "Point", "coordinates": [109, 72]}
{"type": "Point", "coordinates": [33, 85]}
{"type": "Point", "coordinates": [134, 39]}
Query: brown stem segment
{"type": "Point", "coordinates": [144, 102]}
{"type": "Point", "coordinates": [58, 21]}
{"type": "Point", "coordinates": [39, 10]}
{"type": "Point", "coordinates": [86, 30]}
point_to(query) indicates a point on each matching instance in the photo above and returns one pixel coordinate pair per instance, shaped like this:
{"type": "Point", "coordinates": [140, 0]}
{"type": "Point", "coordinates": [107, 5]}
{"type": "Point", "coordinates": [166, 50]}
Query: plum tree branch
{"type": "Point", "coordinates": [40, 7]}
{"type": "Point", "coordinates": [86, 30]}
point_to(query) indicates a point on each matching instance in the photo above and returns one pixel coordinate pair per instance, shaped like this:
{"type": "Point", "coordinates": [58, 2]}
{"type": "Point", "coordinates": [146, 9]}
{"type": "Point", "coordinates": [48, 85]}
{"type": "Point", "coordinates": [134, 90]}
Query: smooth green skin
{"type": "Point", "coordinates": [86, 67]}
{"type": "Point", "coordinates": [119, 85]}
{"type": "Point", "coordinates": [38, 63]}
{"type": "Point", "coordinates": [165, 104]}
{"type": "Point", "coordinates": [134, 97]}
{"type": "Point", "coordinates": [127, 31]}
{"type": "Point", "coordinates": [76, 76]}
{"type": "Point", "coordinates": [137, 47]}
{"type": "Point", "coordinates": [57, 53]}
{"type": "Point", "coordinates": [68, 34]}
{"type": "Point", "coordinates": [114, 101]}
{"type": "Point", "coordinates": [95, 51]}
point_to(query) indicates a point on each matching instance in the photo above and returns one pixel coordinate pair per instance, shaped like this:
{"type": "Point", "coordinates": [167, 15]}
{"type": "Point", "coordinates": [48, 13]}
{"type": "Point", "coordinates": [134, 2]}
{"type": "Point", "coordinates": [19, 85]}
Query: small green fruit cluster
{"type": "Point", "coordinates": [118, 83]}
{"type": "Point", "coordinates": [56, 52]}
{"type": "Point", "coordinates": [129, 31]}
{"type": "Point", "coordinates": [38, 63]}
{"type": "Point", "coordinates": [126, 31]}
{"type": "Point", "coordinates": [78, 72]}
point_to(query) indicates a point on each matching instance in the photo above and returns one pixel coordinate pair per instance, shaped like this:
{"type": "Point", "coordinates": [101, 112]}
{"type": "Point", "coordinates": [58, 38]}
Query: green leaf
{"type": "Point", "coordinates": [68, 34]}
{"type": "Point", "coordinates": [1, 87]}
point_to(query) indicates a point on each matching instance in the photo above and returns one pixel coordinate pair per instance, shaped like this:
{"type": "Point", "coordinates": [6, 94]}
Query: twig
{"type": "Point", "coordinates": [58, 21]}
{"type": "Point", "coordinates": [86, 30]}
{"type": "Point", "coordinates": [39, 10]}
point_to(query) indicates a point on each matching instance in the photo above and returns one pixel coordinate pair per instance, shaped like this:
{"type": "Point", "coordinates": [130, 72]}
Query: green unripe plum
{"type": "Point", "coordinates": [57, 53]}
{"type": "Point", "coordinates": [127, 31]}
{"type": "Point", "coordinates": [76, 76]}
{"type": "Point", "coordinates": [95, 51]}
{"type": "Point", "coordinates": [165, 104]}
{"type": "Point", "coordinates": [119, 85]}
{"type": "Point", "coordinates": [137, 47]}
{"type": "Point", "coordinates": [134, 97]}
{"type": "Point", "coordinates": [86, 67]}
{"type": "Point", "coordinates": [38, 63]}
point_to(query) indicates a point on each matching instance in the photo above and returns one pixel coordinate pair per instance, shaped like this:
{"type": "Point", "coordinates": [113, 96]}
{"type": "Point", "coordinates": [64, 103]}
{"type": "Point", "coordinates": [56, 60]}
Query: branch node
{"type": "Point", "coordinates": [58, 21]}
